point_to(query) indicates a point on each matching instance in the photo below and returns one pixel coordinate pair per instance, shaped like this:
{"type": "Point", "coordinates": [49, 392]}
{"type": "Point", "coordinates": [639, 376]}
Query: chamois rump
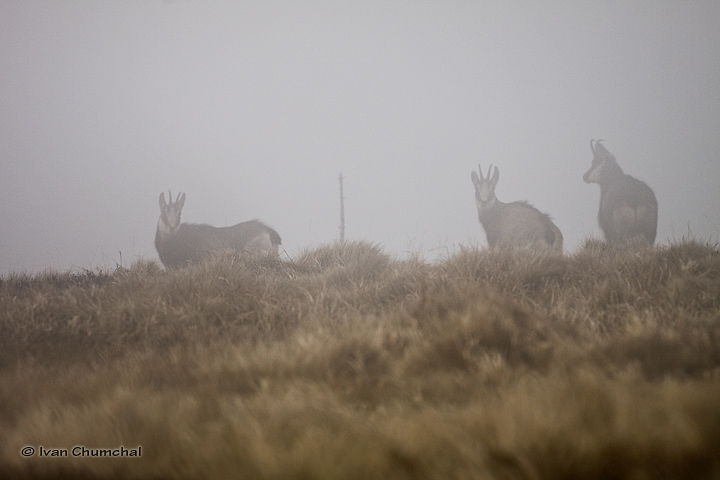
{"type": "Point", "coordinates": [516, 225]}
{"type": "Point", "coordinates": [628, 207]}
{"type": "Point", "coordinates": [178, 243]}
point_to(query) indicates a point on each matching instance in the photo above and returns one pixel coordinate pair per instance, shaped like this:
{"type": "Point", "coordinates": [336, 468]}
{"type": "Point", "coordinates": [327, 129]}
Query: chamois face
{"type": "Point", "coordinates": [485, 188]}
{"type": "Point", "coordinates": [603, 165]}
{"type": "Point", "coordinates": [170, 213]}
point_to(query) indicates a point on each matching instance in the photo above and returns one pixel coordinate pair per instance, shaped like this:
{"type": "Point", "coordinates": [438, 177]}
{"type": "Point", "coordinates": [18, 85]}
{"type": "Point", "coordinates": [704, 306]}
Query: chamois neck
{"type": "Point", "coordinates": [610, 172]}
{"type": "Point", "coordinates": [490, 210]}
{"type": "Point", "coordinates": [492, 203]}
{"type": "Point", "coordinates": [163, 231]}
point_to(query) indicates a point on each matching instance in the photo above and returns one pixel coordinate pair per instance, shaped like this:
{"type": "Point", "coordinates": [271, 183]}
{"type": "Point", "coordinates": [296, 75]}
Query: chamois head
{"type": "Point", "coordinates": [604, 166]}
{"type": "Point", "coordinates": [170, 213]}
{"type": "Point", "coordinates": [485, 187]}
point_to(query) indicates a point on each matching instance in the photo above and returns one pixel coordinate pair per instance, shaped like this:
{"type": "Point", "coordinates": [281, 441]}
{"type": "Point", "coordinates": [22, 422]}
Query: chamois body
{"type": "Point", "coordinates": [628, 207]}
{"type": "Point", "coordinates": [178, 243]}
{"type": "Point", "coordinates": [516, 225]}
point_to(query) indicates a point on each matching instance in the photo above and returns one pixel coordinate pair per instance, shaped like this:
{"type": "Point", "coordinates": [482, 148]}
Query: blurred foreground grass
{"type": "Point", "coordinates": [347, 363]}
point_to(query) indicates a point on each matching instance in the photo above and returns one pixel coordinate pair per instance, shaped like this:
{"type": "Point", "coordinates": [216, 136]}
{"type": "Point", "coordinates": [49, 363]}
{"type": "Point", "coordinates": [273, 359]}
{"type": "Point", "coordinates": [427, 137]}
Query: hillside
{"type": "Point", "coordinates": [348, 363]}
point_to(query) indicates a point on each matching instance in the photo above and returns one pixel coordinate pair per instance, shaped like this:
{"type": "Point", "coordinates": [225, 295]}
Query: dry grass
{"type": "Point", "coordinates": [347, 363]}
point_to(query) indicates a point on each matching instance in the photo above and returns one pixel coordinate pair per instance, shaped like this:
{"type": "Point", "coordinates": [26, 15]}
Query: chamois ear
{"type": "Point", "coordinates": [181, 201]}
{"type": "Point", "coordinates": [162, 201]}
{"type": "Point", "coordinates": [495, 176]}
{"type": "Point", "coordinates": [474, 177]}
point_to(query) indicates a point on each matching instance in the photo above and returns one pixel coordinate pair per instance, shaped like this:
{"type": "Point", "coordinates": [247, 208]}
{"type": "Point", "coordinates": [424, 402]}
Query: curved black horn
{"type": "Point", "coordinates": [490, 171]}
{"type": "Point", "coordinates": [592, 148]}
{"type": "Point", "coordinates": [480, 170]}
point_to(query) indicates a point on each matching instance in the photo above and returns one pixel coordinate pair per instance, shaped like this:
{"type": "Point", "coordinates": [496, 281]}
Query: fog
{"type": "Point", "coordinates": [254, 108]}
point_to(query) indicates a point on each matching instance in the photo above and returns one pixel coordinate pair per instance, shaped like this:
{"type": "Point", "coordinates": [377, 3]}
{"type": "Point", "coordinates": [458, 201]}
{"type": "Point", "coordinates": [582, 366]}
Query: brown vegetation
{"type": "Point", "coordinates": [347, 363]}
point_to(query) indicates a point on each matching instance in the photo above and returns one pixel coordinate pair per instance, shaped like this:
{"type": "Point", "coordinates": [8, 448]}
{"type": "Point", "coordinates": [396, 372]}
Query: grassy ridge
{"type": "Point", "coordinates": [347, 363]}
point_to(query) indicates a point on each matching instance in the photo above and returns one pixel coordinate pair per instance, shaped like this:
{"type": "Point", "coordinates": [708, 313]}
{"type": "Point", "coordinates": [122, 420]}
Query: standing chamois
{"type": "Point", "coordinates": [628, 207]}
{"type": "Point", "coordinates": [515, 225]}
{"type": "Point", "coordinates": [182, 243]}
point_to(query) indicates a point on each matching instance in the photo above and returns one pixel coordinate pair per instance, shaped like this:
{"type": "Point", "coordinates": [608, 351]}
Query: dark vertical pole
{"type": "Point", "coordinates": [342, 211]}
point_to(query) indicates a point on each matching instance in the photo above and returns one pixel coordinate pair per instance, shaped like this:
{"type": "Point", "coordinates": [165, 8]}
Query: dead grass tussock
{"type": "Point", "coordinates": [348, 363]}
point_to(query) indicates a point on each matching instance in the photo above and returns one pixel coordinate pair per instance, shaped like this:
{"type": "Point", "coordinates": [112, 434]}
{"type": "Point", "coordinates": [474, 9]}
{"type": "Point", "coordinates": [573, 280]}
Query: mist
{"type": "Point", "coordinates": [254, 109]}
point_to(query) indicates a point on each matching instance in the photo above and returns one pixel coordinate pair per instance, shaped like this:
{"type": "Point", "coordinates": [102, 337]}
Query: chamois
{"type": "Point", "coordinates": [628, 207]}
{"type": "Point", "coordinates": [178, 243]}
{"type": "Point", "coordinates": [516, 225]}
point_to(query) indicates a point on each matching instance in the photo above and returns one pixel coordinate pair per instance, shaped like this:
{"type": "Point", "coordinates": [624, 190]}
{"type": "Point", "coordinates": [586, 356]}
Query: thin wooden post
{"type": "Point", "coordinates": [342, 211]}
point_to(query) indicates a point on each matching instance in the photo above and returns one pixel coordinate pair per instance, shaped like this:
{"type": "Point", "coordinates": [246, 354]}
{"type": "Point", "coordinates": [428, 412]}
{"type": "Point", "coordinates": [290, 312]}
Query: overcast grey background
{"type": "Point", "coordinates": [253, 108]}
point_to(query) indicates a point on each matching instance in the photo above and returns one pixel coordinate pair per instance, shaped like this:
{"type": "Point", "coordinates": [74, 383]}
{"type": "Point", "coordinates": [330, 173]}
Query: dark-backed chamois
{"type": "Point", "coordinates": [628, 207]}
{"type": "Point", "coordinates": [182, 243]}
{"type": "Point", "coordinates": [515, 225]}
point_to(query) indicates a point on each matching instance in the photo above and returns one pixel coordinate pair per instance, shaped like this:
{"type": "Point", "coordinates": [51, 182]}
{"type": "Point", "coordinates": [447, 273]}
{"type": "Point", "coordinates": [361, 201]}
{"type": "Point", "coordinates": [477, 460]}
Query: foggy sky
{"type": "Point", "coordinates": [253, 108]}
